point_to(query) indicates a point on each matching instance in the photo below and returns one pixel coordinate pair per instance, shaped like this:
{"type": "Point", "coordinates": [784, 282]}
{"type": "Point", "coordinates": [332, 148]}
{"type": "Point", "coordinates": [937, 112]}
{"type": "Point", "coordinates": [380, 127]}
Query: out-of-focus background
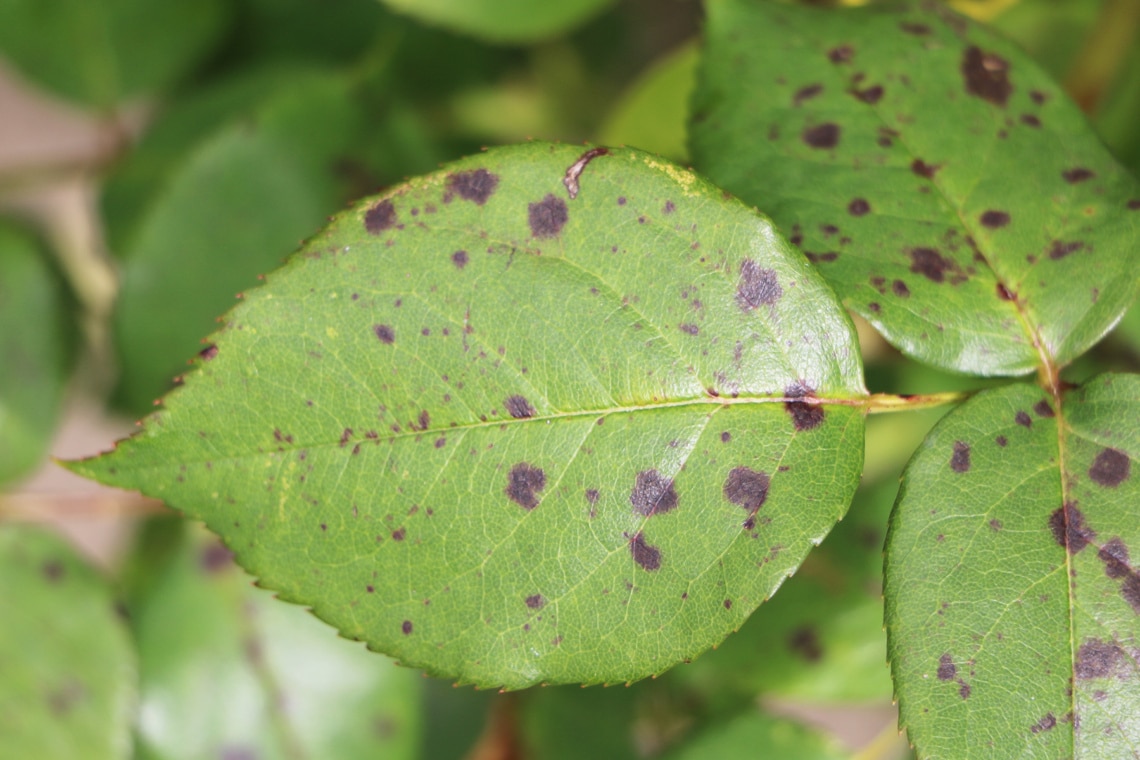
{"type": "Point", "coordinates": [156, 158]}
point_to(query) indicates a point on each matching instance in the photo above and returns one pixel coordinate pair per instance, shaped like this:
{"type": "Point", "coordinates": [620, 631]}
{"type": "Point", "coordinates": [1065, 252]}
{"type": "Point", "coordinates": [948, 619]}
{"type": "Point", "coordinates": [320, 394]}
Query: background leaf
{"type": "Point", "coordinates": [67, 671]}
{"type": "Point", "coordinates": [515, 434]}
{"type": "Point", "coordinates": [1001, 641]}
{"type": "Point", "coordinates": [948, 190]}
{"type": "Point", "coordinates": [100, 52]}
{"type": "Point", "coordinates": [225, 671]}
{"type": "Point", "coordinates": [35, 350]}
{"type": "Point", "coordinates": [512, 21]}
{"type": "Point", "coordinates": [195, 230]}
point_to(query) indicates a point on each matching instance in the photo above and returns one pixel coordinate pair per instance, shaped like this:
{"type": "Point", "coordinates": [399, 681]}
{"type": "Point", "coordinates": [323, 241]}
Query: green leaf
{"type": "Point", "coordinates": [227, 672]}
{"type": "Point", "coordinates": [652, 114]}
{"type": "Point", "coordinates": [505, 21]}
{"type": "Point", "coordinates": [100, 52]}
{"type": "Point", "coordinates": [943, 184]}
{"type": "Point", "coordinates": [755, 734]}
{"type": "Point", "coordinates": [67, 674]}
{"type": "Point", "coordinates": [36, 355]}
{"type": "Point", "coordinates": [1003, 643]}
{"type": "Point", "coordinates": [230, 209]}
{"type": "Point", "coordinates": [542, 416]}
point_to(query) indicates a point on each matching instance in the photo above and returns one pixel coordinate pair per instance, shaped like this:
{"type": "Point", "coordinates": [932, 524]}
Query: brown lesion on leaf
{"type": "Point", "coordinates": [574, 171]}
{"type": "Point", "coordinates": [653, 494]}
{"type": "Point", "coordinates": [1110, 468]}
{"type": "Point", "coordinates": [524, 483]}
{"type": "Point", "coordinates": [645, 555]}
{"type": "Point", "coordinates": [476, 186]}
{"type": "Point", "coordinates": [986, 75]}
{"type": "Point", "coordinates": [1069, 529]}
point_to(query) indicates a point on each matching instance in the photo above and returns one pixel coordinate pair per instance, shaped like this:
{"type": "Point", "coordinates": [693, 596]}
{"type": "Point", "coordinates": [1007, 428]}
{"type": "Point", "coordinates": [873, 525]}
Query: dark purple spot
{"type": "Point", "coordinates": [963, 690]}
{"type": "Point", "coordinates": [805, 415]}
{"type": "Point", "coordinates": [1077, 174]}
{"type": "Point", "coordinates": [214, 558]}
{"type": "Point", "coordinates": [592, 495]}
{"type": "Point", "coordinates": [1001, 440]}
{"type": "Point", "coordinates": [440, 443]}
{"type": "Point", "coordinates": [960, 460]}
{"type": "Point", "coordinates": [900, 289]}
{"type": "Point", "coordinates": [649, 557]}
{"type": "Point", "coordinates": [946, 668]}
{"type": "Point", "coordinates": [746, 488]}
{"type": "Point", "coordinates": [380, 217]}
{"type": "Point", "coordinates": [459, 259]}
{"type": "Point", "coordinates": [621, 200]}
{"type": "Point", "coordinates": [756, 286]}
{"type": "Point", "coordinates": [399, 534]}
{"type": "Point", "coordinates": [995, 219]}
{"type": "Point", "coordinates": [53, 571]}
{"type": "Point", "coordinates": [547, 216]}
{"type": "Point", "coordinates": [1023, 419]}
{"type": "Point", "coordinates": [1069, 529]}
{"type": "Point", "coordinates": [1134, 204]}
{"type": "Point", "coordinates": [1060, 250]}
{"type": "Point", "coordinates": [476, 186]}
{"type": "Point", "coordinates": [653, 494]}
{"type": "Point", "coordinates": [911, 27]}
{"type": "Point", "coordinates": [669, 207]}
{"type": "Point", "coordinates": [1114, 555]}
{"type": "Point", "coordinates": [858, 207]}
{"type": "Point", "coordinates": [689, 329]}
{"type": "Point", "coordinates": [841, 54]}
{"type": "Point", "coordinates": [385, 333]}
{"type": "Point", "coordinates": [874, 307]}
{"type": "Point", "coordinates": [208, 353]}
{"type": "Point", "coordinates": [1097, 659]}
{"type": "Point", "coordinates": [523, 483]}
{"type": "Point", "coordinates": [995, 525]}
{"type": "Point", "coordinates": [1110, 468]}
{"type": "Point", "coordinates": [535, 601]}
{"type": "Point", "coordinates": [1003, 292]}
{"type": "Point", "coordinates": [519, 408]}
{"type": "Point", "coordinates": [1030, 120]}
{"type": "Point", "coordinates": [1131, 591]}
{"type": "Point", "coordinates": [806, 93]}
{"type": "Point", "coordinates": [725, 437]}
{"type": "Point", "coordinates": [817, 258]}
{"type": "Point", "coordinates": [804, 642]}
{"type": "Point", "coordinates": [923, 169]}
{"type": "Point", "coordinates": [406, 627]}
{"type": "Point", "coordinates": [929, 263]}
{"type": "Point", "coordinates": [1037, 96]}
{"type": "Point", "coordinates": [1043, 409]}
{"type": "Point", "coordinates": [871, 95]}
{"type": "Point", "coordinates": [424, 420]}
{"type": "Point", "coordinates": [986, 76]}
{"type": "Point", "coordinates": [345, 435]}
{"type": "Point", "coordinates": [822, 135]}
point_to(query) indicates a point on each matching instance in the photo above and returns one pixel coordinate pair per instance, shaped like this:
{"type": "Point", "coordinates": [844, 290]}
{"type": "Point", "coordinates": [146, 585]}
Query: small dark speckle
{"type": "Point", "coordinates": [208, 353]}
{"type": "Point", "coordinates": [728, 604]}
{"type": "Point", "coordinates": [1110, 468]}
{"type": "Point", "coordinates": [519, 408]}
{"type": "Point", "coordinates": [592, 495]}
{"type": "Point", "coordinates": [1001, 440]}
{"type": "Point", "coordinates": [757, 286]}
{"type": "Point", "coordinates": [929, 263]}
{"type": "Point", "coordinates": [725, 437]}
{"type": "Point", "coordinates": [871, 95]}
{"type": "Point", "coordinates": [821, 136]}
{"type": "Point", "coordinates": [476, 186]}
{"type": "Point", "coordinates": [994, 219]}
{"type": "Point", "coordinates": [841, 54]}
{"type": "Point", "coordinates": [946, 668]}
{"type": "Point", "coordinates": [911, 27]}
{"type": "Point", "coordinates": [805, 642]}
{"type": "Point", "coordinates": [653, 494]}
{"type": "Point", "coordinates": [1134, 204]}
{"type": "Point", "coordinates": [670, 207]}
{"type": "Point", "coordinates": [1077, 174]}
{"type": "Point", "coordinates": [649, 557]}
{"type": "Point", "coordinates": [547, 217]}
{"type": "Point", "coordinates": [1097, 659]}
{"type": "Point", "coordinates": [1038, 97]}
{"type": "Point", "coordinates": [524, 483]}
{"type": "Point", "coordinates": [1023, 419]}
{"type": "Point", "coordinates": [459, 259]}
{"type": "Point", "coordinates": [53, 570]}
{"type": "Point", "coordinates": [406, 627]}
{"type": "Point", "coordinates": [621, 200]}
{"type": "Point", "coordinates": [1003, 292]}
{"type": "Point", "coordinates": [535, 601]}
{"type": "Point", "coordinates": [440, 443]}
{"type": "Point", "coordinates": [986, 76]}
{"type": "Point", "coordinates": [960, 460]}
{"type": "Point", "coordinates": [380, 217]}
{"type": "Point", "coordinates": [805, 416]}
{"type": "Point", "coordinates": [1043, 409]}
{"type": "Point", "coordinates": [385, 333]}
{"type": "Point", "coordinates": [923, 169]}
{"type": "Point", "coordinates": [1060, 250]}
{"type": "Point", "coordinates": [1114, 555]}
{"type": "Point", "coordinates": [1067, 523]}
{"type": "Point", "coordinates": [900, 289]}
{"type": "Point", "coordinates": [964, 690]}
{"type": "Point", "coordinates": [399, 534]}
{"type": "Point", "coordinates": [858, 207]}
{"type": "Point", "coordinates": [806, 93]}
{"type": "Point", "coordinates": [214, 558]}
{"type": "Point", "coordinates": [690, 329]}
{"type": "Point", "coordinates": [995, 525]}
{"type": "Point", "coordinates": [746, 488]}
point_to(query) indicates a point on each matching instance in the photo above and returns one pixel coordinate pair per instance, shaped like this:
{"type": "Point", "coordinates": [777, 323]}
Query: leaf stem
{"type": "Point", "coordinates": [888, 402]}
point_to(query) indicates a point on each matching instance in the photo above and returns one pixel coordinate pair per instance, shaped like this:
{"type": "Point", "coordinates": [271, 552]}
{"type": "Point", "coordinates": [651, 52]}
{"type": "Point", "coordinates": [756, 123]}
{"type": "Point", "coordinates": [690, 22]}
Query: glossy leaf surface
{"type": "Point", "coordinates": [99, 52]}
{"type": "Point", "coordinates": [35, 350]}
{"type": "Point", "coordinates": [944, 185]}
{"type": "Point", "coordinates": [225, 671]}
{"type": "Point", "coordinates": [513, 21]}
{"type": "Point", "coordinates": [543, 416]}
{"type": "Point", "coordinates": [1013, 605]}
{"type": "Point", "coordinates": [67, 674]}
